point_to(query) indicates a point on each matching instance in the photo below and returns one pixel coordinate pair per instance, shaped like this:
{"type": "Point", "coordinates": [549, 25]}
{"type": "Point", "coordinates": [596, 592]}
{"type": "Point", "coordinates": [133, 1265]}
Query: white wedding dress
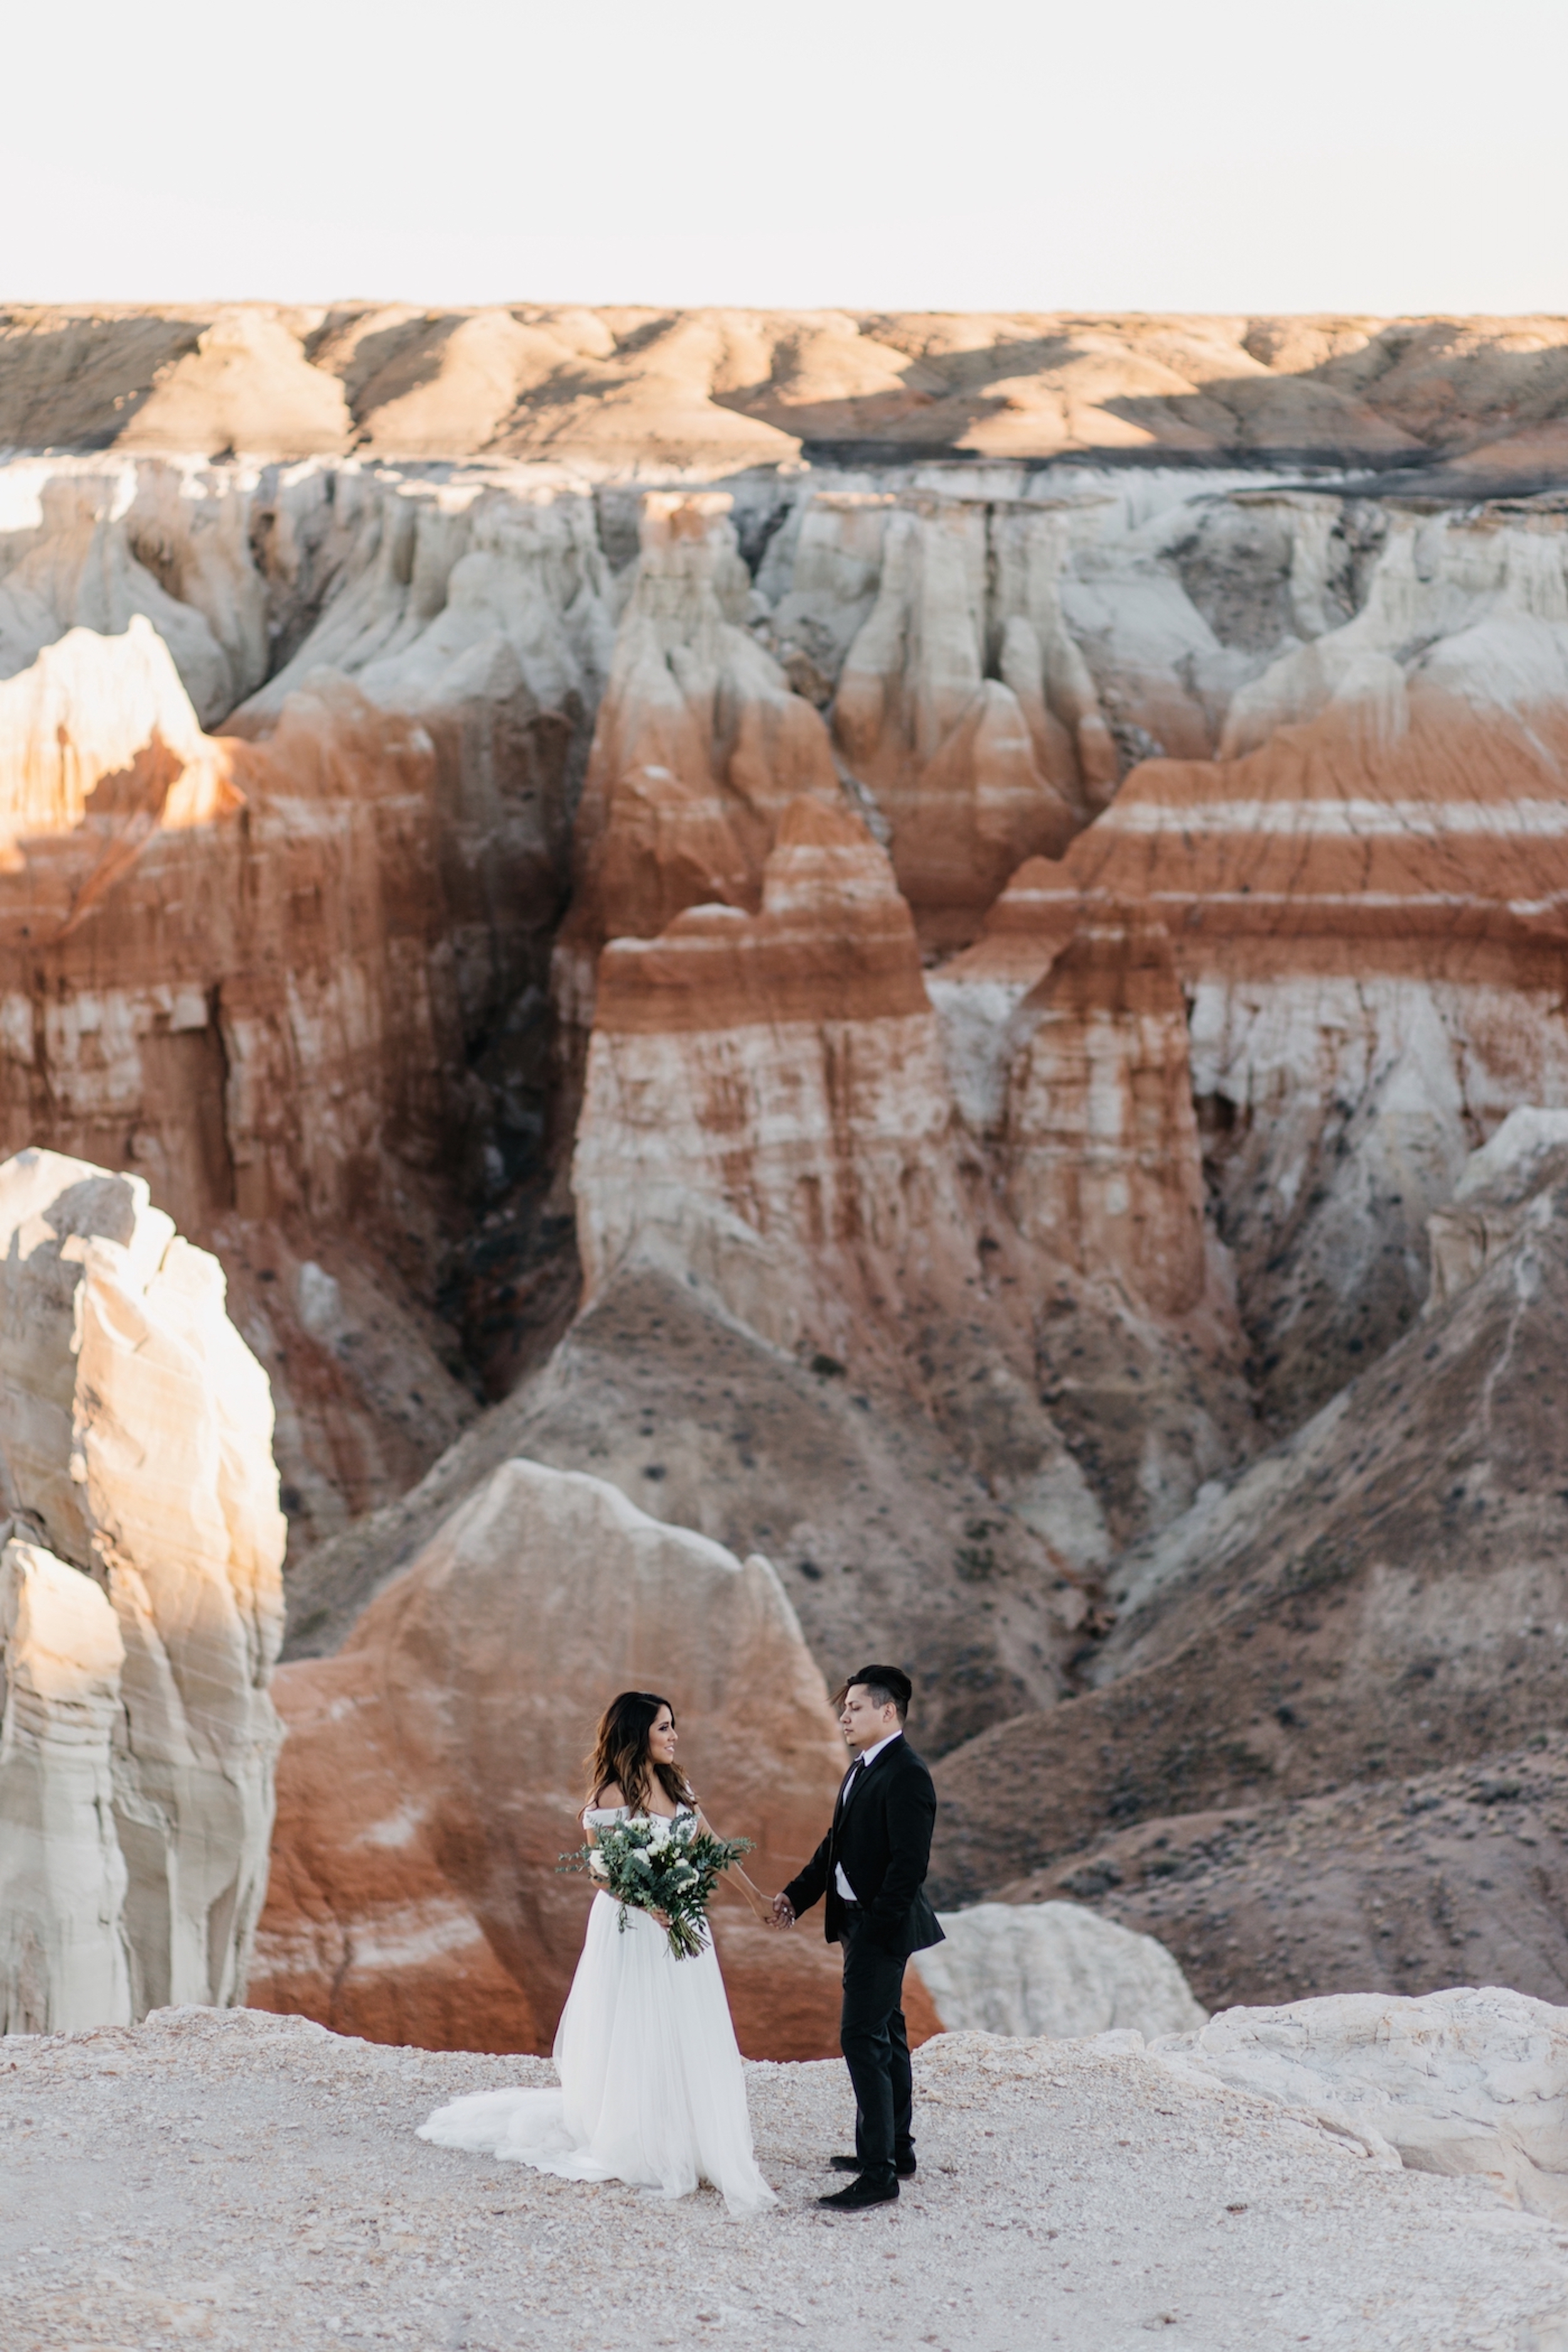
{"type": "Point", "coordinates": [652, 2090]}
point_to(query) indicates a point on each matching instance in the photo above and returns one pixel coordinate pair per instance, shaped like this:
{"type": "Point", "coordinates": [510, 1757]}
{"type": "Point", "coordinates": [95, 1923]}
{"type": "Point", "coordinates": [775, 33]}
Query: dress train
{"type": "Point", "coordinates": [652, 2090]}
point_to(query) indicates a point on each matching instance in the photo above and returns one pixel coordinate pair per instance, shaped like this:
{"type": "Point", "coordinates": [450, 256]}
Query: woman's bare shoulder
{"type": "Point", "coordinates": [608, 1798]}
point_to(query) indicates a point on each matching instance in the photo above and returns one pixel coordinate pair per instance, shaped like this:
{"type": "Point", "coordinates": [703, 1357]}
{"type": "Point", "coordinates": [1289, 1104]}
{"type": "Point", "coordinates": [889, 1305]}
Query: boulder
{"type": "Point", "coordinates": [1053, 1969]}
{"type": "Point", "coordinates": [143, 1604]}
{"type": "Point", "coordinates": [1464, 2081]}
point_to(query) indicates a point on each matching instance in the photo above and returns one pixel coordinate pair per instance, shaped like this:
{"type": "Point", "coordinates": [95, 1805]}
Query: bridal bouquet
{"type": "Point", "coordinates": [668, 1866]}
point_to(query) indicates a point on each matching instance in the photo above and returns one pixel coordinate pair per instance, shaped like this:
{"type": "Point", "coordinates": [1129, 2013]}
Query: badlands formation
{"type": "Point", "coordinates": [876, 983]}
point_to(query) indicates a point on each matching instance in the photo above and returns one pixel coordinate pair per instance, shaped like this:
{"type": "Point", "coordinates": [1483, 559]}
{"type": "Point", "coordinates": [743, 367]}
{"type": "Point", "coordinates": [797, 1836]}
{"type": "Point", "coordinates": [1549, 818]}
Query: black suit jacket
{"type": "Point", "coordinates": [882, 1836]}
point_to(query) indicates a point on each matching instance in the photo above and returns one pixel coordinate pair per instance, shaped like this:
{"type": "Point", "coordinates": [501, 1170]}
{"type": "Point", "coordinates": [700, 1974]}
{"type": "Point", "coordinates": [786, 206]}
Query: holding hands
{"type": "Point", "coordinates": [783, 1912]}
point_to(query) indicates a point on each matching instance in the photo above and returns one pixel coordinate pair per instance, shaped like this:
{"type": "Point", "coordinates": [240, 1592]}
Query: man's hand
{"type": "Point", "coordinates": [783, 1915]}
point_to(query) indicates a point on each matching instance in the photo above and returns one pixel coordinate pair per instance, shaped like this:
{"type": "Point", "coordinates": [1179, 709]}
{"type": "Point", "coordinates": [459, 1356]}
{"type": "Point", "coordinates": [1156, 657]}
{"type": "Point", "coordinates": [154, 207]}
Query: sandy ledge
{"type": "Point", "coordinates": [234, 2180]}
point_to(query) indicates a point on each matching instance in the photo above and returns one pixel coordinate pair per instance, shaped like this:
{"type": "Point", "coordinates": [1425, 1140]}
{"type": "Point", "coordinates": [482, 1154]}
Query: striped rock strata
{"type": "Point", "coordinates": [1366, 912]}
{"type": "Point", "coordinates": [769, 1112]}
{"type": "Point", "coordinates": [223, 958]}
{"type": "Point", "coordinates": [830, 1148]}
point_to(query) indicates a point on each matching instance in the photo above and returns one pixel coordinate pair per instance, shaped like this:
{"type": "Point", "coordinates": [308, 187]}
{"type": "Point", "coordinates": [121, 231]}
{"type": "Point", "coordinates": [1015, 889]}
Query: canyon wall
{"type": "Point", "coordinates": [891, 935]}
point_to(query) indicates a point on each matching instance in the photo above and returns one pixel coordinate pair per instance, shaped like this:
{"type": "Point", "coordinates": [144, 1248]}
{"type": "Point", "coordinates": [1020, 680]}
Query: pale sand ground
{"type": "Point", "coordinates": [238, 2181]}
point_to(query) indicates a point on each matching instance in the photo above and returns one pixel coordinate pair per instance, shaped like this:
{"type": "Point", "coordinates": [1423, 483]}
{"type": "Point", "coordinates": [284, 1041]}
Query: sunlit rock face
{"type": "Point", "coordinates": [434, 1772]}
{"type": "Point", "coordinates": [218, 963]}
{"type": "Point", "coordinates": [142, 1608]}
{"type": "Point", "coordinates": [88, 709]}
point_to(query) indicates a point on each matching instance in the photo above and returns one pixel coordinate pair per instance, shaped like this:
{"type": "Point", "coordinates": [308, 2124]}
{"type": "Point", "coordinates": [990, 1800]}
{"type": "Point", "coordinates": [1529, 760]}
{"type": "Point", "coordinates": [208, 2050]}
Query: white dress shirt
{"type": "Point", "coordinates": [867, 1758]}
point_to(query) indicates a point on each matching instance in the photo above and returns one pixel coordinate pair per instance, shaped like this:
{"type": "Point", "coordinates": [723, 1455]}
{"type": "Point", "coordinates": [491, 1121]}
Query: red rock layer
{"type": "Point", "coordinates": [1402, 844]}
{"type": "Point", "coordinates": [432, 1775]}
{"type": "Point", "coordinates": [768, 1092]}
{"type": "Point", "coordinates": [1368, 915]}
{"type": "Point", "coordinates": [770, 1113]}
{"type": "Point", "coordinates": [228, 966]}
{"type": "Point", "coordinates": [1099, 1143]}
{"type": "Point", "coordinates": [833, 942]}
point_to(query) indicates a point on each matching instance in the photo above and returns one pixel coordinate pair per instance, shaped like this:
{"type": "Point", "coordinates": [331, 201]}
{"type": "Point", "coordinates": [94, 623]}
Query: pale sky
{"type": "Point", "coordinates": [1141, 154]}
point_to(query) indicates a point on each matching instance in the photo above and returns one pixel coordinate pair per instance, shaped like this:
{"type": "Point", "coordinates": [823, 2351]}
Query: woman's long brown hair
{"type": "Point", "coordinates": [620, 1755]}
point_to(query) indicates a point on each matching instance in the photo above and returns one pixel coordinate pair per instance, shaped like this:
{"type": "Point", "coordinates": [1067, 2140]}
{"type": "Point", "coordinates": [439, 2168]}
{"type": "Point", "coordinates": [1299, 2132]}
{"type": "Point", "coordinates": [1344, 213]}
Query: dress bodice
{"type": "Point", "coordinates": [624, 1813]}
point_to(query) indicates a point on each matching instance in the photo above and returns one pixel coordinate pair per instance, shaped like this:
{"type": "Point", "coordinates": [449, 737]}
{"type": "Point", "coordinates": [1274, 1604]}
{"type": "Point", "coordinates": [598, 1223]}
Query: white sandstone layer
{"type": "Point", "coordinates": [63, 1951]}
{"type": "Point", "coordinates": [1053, 1969]}
{"type": "Point", "coordinates": [1460, 2082]}
{"type": "Point", "coordinates": [135, 1444]}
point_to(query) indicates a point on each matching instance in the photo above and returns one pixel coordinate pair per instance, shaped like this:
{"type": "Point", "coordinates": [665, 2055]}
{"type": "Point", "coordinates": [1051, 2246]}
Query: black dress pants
{"type": "Point", "coordinates": [876, 2049]}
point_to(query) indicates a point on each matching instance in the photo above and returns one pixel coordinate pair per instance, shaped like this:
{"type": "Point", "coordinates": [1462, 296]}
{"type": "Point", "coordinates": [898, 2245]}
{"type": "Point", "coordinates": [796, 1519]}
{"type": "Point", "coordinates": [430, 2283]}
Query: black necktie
{"type": "Point", "coordinates": [850, 1779]}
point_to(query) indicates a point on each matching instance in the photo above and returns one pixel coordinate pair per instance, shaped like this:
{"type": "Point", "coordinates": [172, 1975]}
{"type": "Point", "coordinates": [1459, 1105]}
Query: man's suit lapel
{"type": "Point", "coordinates": [852, 1795]}
{"type": "Point", "coordinates": [852, 1789]}
{"type": "Point", "coordinates": [841, 1806]}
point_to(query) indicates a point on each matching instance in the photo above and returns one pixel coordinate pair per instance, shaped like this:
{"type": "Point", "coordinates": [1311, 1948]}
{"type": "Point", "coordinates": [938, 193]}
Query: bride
{"type": "Point", "coordinates": [651, 2088]}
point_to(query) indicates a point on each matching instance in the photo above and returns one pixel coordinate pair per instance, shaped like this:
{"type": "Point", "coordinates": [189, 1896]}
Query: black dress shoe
{"type": "Point", "coordinates": [859, 2195]}
{"type": "Point", "coordinates": [904, 2165]}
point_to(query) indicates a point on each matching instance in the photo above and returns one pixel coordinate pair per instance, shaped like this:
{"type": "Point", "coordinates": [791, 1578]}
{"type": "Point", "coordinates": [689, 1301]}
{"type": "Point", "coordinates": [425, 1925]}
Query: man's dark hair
{"type": "Point", "coordinates": [885, 1686]}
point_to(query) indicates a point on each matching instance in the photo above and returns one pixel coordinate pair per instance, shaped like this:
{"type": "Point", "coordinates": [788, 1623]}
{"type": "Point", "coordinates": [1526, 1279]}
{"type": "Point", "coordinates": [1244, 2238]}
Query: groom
{"type": "Point", "coordinates": [871, 1866]}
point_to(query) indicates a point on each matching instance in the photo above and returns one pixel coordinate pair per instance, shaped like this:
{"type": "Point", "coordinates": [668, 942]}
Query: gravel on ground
{"type": "Point", "coordinates": [252, 2183]}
